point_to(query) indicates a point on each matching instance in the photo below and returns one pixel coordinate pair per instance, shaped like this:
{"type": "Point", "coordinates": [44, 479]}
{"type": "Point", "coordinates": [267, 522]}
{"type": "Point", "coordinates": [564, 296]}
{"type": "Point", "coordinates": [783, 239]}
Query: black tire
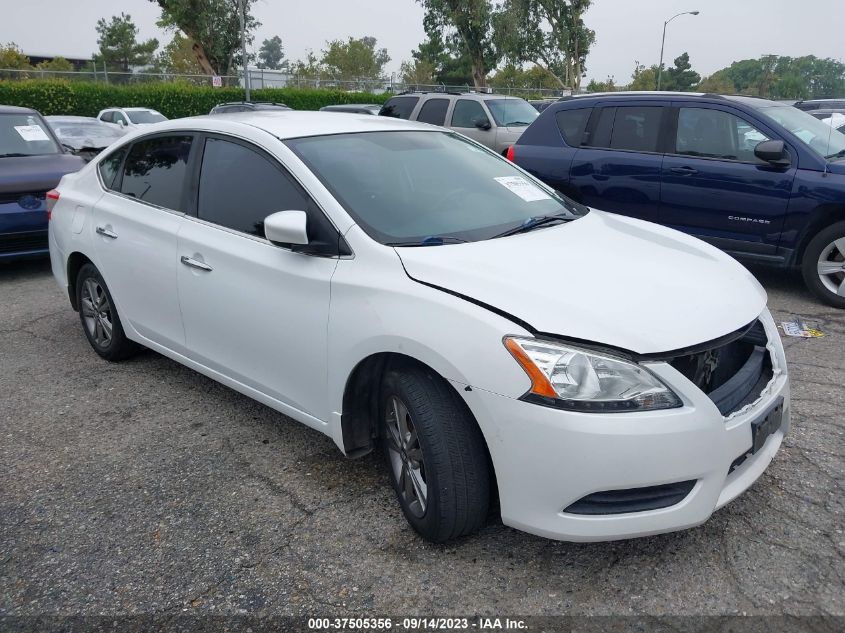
{"type": "Point", "coordinates": [454, 463]}
{"type": "Point", "coordinates": [89, 282]}
{"type": "Point", "coordinates": [810, 262]}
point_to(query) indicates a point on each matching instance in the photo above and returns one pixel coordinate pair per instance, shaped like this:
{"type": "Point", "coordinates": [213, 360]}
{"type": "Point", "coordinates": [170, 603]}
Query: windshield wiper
{"type": "Point", "coordinates": [532, 223]}
{"type": "Point", "coordinates": [14, 155]}
{"type": "Point", "coordinates": [839, 154]}
{"type": "Point", "coordinates": [432, 240]}
{"type": "Point", "coordinates": [517, 123]}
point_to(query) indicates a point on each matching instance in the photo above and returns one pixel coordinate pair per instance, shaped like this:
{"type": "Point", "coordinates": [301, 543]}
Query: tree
{"type": "Point", "coordinates": [12, 57]}
{"type": "Point", "coordinates": [511, 76]}
{"type": "Point", "coordinates": [468, 24]}
{"type": "Point", "coordinates": [308, 67]}
{"type": "Point", "coordinates": [119, 45]}
{"type": "Point", "coordinates": [178, 57]}
{"type": "Point", "coordinates": [272, 55]}
{"type": "Point", "coordinates": [417, 72]}
{"type": "Point", "coordinates": [452, 67]}
{"type": "Point", "coordinates": [548, 33]}
{"type": "Point", "coordinates": [608, 85]}
{"type": "Point", "coordinates": [57, 64]}
{"type": "Point", "coordinates": [214, 26]}
{"type": "Point", "coordinates": [354, 59]}
{"type": "Point", "coordinates": [681, 77]}
{"type": "Point", "coordinates": [643, 78]}
{"type": "Point", "coordinates": [717, 83]}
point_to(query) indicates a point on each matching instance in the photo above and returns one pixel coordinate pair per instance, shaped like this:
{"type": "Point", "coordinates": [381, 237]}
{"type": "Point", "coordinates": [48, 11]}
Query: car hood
{"type": "Point", "coordinates": [36, 173]}
{"type": "Point", "coordinates": [603, 278]}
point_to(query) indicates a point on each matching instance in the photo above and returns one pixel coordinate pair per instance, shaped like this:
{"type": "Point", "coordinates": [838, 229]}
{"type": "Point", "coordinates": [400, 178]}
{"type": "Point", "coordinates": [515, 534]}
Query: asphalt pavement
{"type": "Point", "coordinates": [144, 488]}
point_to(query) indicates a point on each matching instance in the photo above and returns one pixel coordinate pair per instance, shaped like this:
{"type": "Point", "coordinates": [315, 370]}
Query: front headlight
{"type": "Point", "coordinates": [580, 380]}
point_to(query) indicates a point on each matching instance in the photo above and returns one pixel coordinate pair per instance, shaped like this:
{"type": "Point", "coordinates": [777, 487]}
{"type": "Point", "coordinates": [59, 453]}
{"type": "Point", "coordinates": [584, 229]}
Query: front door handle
{"type": "Point", "coordinates": [193, 263]}
{"type": "Point", "coordinates": [684, 171]}
{"type": "Point", "coordinates": [101, 230]}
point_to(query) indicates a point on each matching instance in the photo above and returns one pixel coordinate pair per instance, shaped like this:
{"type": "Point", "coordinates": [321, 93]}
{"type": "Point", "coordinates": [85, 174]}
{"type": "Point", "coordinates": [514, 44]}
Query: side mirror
{"type": "Point", "coordinates": [772, 152]}
{"type": "Point", "coordinates": [288, 228]}
{"type": "Point", "coordinates": [482, 124]}
{"type": "Point", "coordinates": [121, 122]}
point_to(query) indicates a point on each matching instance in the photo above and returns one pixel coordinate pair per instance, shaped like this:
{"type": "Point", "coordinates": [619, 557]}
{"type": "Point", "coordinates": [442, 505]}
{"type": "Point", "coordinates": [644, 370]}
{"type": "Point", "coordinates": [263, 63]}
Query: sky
{"type": "Point", "coordinates": [626, 30]}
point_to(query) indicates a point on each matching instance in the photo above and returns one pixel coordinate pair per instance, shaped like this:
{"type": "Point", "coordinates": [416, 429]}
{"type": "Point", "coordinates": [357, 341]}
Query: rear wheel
{"type": "Point", "coordinates": [823, 265]}
{"type": "Point", "coordinates": [99, 317]}
{"type": "Point", "coordinates": [435, 454]}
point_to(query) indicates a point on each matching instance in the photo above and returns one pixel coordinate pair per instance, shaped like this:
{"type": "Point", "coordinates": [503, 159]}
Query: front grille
{"type": "Point", "coordinates": [25, 241]}
{"type": "Point", "coordinates": [732, 375]}
{"type": "Point", "coordinates": [632, 499]}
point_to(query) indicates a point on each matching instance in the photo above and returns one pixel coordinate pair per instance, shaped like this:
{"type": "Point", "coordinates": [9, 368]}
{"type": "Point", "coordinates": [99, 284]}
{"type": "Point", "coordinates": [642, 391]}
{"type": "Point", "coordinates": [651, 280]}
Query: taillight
{"type": "Point", "coordinates": [510, 154]}
{"type": "Point", "coordinates": [52, 199]}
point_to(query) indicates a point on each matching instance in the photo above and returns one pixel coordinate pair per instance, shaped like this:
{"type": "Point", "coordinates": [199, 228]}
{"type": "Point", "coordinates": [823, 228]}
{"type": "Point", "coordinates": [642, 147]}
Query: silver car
{"type": "Point", "coordinates": [496, 121]}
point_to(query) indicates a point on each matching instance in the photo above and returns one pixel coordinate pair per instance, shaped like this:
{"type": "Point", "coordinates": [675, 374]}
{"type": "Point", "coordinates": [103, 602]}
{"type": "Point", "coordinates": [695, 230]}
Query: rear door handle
{"type": "Point", "coordinates": [683, 171]}
{"type": "Point", "coordinates": [194, 263]}
{"type": "Point", "coordinates": [101, 230]}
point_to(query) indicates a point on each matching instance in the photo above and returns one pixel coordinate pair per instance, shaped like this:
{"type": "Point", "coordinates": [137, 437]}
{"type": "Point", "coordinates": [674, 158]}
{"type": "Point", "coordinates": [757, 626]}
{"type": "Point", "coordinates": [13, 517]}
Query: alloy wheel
{"type": "Point", "coordinates": [831, 267]}
{"type": "Point", "coordinates": [406, 457]}
{"type": "Point", "coordinates": [97, 312]}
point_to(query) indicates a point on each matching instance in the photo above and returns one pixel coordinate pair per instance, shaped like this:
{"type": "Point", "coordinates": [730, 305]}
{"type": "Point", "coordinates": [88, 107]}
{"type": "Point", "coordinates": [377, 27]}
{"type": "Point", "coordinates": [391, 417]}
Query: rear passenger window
{"type": "Point", "coordinates": [434, 111]}
{"type": "Point", "coordinates": [109, 167]}
{"type": "Point", "coordinates": [108, 117]}
{"type": "Point", "coordinates": [572, 124]}
{"type": "Point", "coordinates": [635, 128]}
{"type": "Point", "coordinates": [399, 107]}
{"type": "Point", "coordinates": [262, 188]}
{"type": "Point", "coordinates": [155, 171]}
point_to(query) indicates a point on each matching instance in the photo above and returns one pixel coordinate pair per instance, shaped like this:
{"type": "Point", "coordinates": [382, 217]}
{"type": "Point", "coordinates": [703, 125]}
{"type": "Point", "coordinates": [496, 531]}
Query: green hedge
{"type": "Point", "coordinates": [173, 100]}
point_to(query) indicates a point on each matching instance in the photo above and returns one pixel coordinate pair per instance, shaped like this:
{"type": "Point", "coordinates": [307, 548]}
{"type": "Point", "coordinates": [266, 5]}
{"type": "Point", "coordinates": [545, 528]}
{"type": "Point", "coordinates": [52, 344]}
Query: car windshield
{"type": "Point", "coordinates": [25, 135]}
{"type": "Point", "coordinates": [817, 135]}
{"type": "Point", "coordinates": [145, 116]}
{"type": "Point", "coordinates": [427, 188]}
{"type": "Point", "coordinates": [516, 112]}
{"type": "Point", "coordinates": [83, 129]}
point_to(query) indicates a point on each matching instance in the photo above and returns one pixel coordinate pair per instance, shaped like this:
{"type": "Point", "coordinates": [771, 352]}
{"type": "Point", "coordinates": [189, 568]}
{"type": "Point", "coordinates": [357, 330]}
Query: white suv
{"type": "Point", "coordinates": [496, 121]}
{"type": "Point", "coordinates": [130, 118]}
{"type": "Point", "coordinates": [391, 283]}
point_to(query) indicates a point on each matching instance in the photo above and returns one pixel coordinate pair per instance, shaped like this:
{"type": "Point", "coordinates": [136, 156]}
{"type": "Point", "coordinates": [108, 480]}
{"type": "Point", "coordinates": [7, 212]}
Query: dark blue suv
{"type": "Point", "coordinates": [761, 180]}
{"type": "Point", "coordinates": [32, 161]}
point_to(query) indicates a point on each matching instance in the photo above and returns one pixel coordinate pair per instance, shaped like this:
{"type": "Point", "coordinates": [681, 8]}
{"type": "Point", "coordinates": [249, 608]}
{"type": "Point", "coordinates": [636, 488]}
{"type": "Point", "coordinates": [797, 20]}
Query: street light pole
{"type": "Point", "coordinates": [243, 48]}
{"type": "Point", "coordinates": [663, 43]}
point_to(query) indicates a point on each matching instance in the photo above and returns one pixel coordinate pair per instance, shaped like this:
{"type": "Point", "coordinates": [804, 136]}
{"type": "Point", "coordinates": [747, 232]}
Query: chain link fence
{"type": "Point", "coordinates": [271, 79]}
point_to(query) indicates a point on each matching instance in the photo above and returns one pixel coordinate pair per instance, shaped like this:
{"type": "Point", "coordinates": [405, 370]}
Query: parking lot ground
{"type": "Point", "coordinates": [146, 488]}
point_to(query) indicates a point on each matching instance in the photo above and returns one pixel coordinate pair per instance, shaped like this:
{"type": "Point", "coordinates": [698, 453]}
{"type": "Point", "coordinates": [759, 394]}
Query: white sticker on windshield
{"type": "Point", "coordinates": [32, 133]}
{"type": "Point", "coordinates": [524, 189]}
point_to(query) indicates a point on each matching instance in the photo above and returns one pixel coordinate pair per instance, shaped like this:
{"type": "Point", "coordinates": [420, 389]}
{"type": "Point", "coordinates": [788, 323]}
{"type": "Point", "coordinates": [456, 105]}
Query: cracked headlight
{"type": "Point", "coordinates": [581, 380]}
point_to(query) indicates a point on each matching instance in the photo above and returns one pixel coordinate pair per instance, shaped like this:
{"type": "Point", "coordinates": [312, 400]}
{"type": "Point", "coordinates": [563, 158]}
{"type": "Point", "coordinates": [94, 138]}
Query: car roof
{"type": "Point", "coordinates": [4, 109]}
{"type": "Point", "coordinates": [756, 102]}
{"type": "Point", "coordinates": [286, 124]}
{"type": "Point", "coordinates": [440, 93]}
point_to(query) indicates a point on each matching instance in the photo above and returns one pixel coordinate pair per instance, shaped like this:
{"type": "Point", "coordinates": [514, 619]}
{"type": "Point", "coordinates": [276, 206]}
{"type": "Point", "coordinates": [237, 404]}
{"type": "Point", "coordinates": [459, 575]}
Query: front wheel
{"type": "Point", "coordinates": [435, 454]}
{"type": "Point", "coordinates": [823, 265]}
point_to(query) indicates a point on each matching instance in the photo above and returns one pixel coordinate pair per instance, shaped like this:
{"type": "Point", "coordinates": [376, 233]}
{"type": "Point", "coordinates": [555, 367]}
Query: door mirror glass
{"type": "Point", "coordinates": [773, 152]}
{"type": "Point", "coordinates": [287, 227]}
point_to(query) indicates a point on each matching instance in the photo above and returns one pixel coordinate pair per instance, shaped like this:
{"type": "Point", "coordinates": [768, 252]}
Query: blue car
{"type": "Point", "coordinates": [761, 180]}
{"type": "Point", "coordinates": [32, 161]}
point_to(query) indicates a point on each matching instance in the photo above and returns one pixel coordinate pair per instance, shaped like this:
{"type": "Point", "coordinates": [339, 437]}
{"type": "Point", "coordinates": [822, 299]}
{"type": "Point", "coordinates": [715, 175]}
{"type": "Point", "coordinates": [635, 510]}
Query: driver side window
{"type": "Point", "coordinates": [468, 113]}
{"type": "Point", "coordinates": [716, 134]}
{"type": "Point", "coordinates": [262, 188]}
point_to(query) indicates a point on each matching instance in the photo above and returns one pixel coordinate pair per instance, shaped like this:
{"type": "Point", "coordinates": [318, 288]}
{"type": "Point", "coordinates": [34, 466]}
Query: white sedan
{"type": "Point", "coordinates": [394, 284]}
